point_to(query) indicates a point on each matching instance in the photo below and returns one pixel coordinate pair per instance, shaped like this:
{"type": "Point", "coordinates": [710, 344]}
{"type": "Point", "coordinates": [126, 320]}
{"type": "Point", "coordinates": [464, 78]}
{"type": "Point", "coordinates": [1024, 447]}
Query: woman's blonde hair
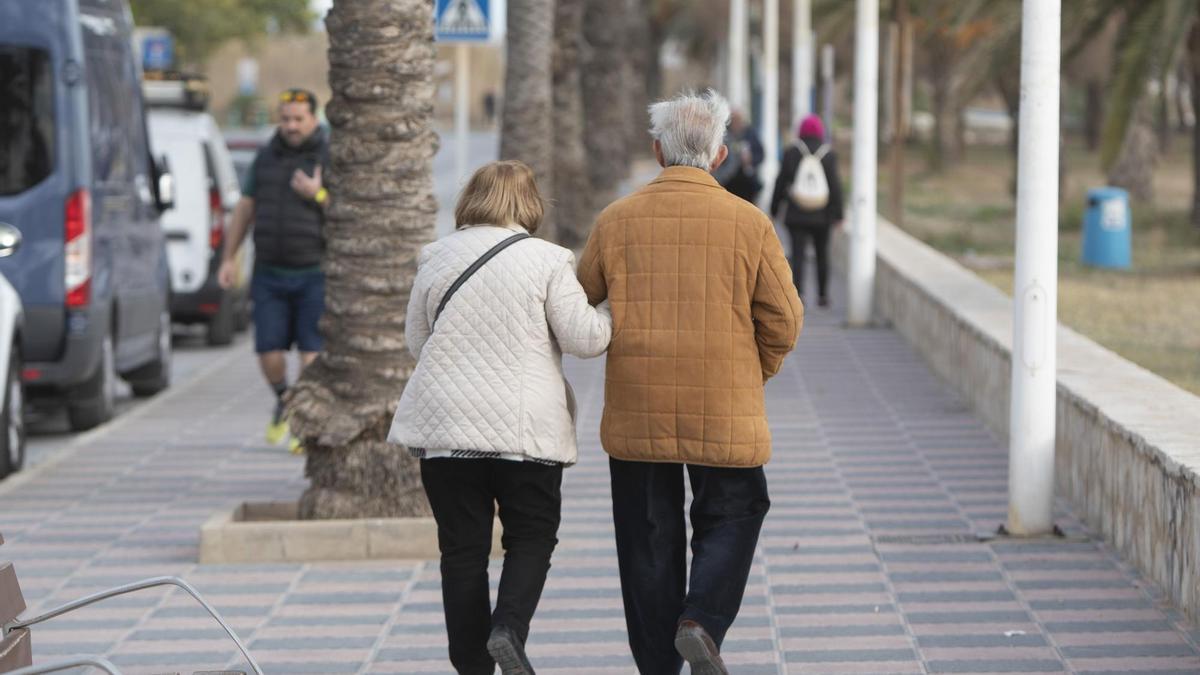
{"type": "Point", "coordinates": [501, 193]}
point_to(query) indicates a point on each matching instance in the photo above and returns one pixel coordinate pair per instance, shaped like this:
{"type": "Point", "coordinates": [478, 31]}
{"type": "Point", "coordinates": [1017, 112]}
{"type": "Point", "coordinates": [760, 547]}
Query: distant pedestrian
{"type": "Point", "coordinates": [489, 107]}
{"type": "Point", "coordinates": [809, 185]}
{"type": "Point", "coordinates": [488, 410]}
{"type": "Point", "coordinates": [739, 172]}
{"type": "Point", "coordinates": [704, 313]}
{"type": "Point", "coordinates": [284, 200]}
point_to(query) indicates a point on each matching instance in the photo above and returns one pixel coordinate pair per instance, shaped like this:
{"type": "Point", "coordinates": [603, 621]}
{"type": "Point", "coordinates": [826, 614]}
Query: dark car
{"type": "Point", "coordinates": [78, 181]}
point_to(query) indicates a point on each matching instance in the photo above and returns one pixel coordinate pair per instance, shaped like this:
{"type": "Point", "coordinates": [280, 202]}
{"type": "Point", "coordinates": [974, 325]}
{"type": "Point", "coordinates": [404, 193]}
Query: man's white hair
{"type": "Point", "coordinates": [690, 128]}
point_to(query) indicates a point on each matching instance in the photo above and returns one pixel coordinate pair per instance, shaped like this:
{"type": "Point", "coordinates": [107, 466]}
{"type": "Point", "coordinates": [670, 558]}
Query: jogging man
{"type": "Point", "coordinates": [284, 201]}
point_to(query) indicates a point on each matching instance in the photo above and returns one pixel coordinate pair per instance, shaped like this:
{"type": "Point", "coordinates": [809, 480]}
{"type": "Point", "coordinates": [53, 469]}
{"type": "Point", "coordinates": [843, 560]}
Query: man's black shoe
{"type": "Point", "coordinates": [508, 652]}
{"type": "Point", "coordinates": [697, 648]}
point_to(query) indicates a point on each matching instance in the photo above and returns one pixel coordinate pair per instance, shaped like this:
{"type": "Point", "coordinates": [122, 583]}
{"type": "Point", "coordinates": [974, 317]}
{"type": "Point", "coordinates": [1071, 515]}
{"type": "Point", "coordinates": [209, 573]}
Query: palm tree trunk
{"type": "Point", "coordinates": [381, 212]}
{"type": "Point", "coordinates": [898, 133]}
{"type": "Point", "coordinates": [1193, 46]}
{"type": "Point", "coordinates": [1008, 83]}
{"type": "Point", "coordinates": [1134, 165]}
{"type": "Point", "coordinates": [525, 131]}
{"type": "Point", "coordinates": [572, 205]}
{"type": "Point", "coordinates": [1093, 120]}
{"type": "Point", "coordinates": [941, 72]}
{"type": "Point", "coordinates": [643, 57]}
{"type": "Point", "coordinates": [605, 96]}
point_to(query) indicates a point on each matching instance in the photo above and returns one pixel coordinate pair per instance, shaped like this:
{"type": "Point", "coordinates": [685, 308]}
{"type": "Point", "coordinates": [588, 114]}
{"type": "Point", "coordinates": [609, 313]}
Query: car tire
{"type": "Point", "coordinates": [243, 314]}
{"type": "Point", "coordinates": [95, 401]}
{"type": "Point", "coordinates": [12, 418]}
{"type": "Point", "coordinates": [155, 376]}
{"type": "Point", "coordinates": [222, 325]}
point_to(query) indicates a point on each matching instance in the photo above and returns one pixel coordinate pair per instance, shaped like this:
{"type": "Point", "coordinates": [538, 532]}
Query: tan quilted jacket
{"type": "Point", "coordinates": [704, 312]}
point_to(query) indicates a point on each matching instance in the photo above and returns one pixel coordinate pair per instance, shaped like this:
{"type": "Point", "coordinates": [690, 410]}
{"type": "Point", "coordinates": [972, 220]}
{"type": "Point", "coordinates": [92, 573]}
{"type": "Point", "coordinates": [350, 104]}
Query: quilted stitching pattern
{"type": "Point", "coordinates": [490, 378]}
{"type": "Point", "coordinates": [704, 312]}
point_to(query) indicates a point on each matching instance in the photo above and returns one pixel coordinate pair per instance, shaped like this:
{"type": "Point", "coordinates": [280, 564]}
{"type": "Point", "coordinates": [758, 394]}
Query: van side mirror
{"type": "Point", "coordinates": [164, 185]}
{"type": "Point", "coordinates": [10, 240]}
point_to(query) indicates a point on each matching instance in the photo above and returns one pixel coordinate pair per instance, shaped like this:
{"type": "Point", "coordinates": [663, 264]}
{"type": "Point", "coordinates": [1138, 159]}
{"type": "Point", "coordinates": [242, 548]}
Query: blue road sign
{"type": "Point", "coordinates": [462, 21]}
{"type": "Point", "coordinates": [158, 52]}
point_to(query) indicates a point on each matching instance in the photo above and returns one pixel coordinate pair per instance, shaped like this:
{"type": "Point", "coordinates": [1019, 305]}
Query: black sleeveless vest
{"type": "Point", "coordinates": [288, 227]}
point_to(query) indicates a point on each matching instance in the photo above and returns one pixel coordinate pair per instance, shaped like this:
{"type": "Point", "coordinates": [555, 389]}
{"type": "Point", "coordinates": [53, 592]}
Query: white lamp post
{"type": "Point", "coordinates": [861, 263]}
{"type": "Point", "coordinates": [739, 29]}
{"type": "Point", "coordinates": [1035, 286]}
{"type": "Point", "coordinates": [802, 59]}
{"type": "Point", "coordinates": [770, 102]}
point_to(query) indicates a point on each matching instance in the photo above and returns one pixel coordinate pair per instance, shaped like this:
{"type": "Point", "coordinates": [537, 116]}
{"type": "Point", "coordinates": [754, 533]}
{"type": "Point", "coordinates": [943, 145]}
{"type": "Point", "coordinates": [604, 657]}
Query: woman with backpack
{"type": "Point", "coordinates": [808, 182]}
{"type": "Point", "coordinates": [487, 409]}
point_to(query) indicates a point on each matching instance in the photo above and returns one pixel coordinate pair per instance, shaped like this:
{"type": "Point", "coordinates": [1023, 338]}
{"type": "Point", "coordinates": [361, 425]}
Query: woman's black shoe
{"type": "Point", "coordinates": [508, 652]}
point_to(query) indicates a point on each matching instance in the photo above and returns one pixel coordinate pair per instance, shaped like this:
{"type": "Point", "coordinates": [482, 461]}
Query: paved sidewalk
{"type": "Point", "coordinates": [877, 470]}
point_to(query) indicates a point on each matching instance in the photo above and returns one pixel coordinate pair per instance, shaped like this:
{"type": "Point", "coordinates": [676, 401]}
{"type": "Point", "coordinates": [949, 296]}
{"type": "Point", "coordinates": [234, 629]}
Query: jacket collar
{"type": "Point", "coordinates": [686, 174]}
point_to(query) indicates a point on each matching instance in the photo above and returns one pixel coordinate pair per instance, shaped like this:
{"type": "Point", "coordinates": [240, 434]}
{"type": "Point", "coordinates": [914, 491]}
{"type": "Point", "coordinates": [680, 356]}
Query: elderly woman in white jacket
{"type": "Point", "coordinates": [488, 410]}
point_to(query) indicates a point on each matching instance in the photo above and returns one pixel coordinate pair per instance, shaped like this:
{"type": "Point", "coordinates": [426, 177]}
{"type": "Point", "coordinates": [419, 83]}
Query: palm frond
{"type": "Point", "coordinates": [1094, 14]}
{"type": "Point", "coordinates": [1177, 21]}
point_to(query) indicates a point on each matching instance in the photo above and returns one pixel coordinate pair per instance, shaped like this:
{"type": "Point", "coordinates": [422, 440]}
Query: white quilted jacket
{"type": "Point", "coordinates": [490, 377]}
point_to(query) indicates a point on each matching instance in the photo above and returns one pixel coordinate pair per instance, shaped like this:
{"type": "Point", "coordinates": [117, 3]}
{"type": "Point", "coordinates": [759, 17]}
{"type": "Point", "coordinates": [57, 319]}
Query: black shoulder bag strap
{"type": "Point", "coordinates": [467, 273]}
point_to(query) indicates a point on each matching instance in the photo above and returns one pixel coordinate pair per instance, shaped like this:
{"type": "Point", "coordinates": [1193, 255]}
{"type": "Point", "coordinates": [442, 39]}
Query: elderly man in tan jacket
{"type": "Point", "coordinates": [704, 312]}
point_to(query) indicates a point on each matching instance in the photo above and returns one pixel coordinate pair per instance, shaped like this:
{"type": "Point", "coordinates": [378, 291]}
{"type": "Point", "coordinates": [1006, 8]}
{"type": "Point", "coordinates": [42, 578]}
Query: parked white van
{"type": "Point", "coordinates": [12, 403]}
{"type": "Point", "coordinates": [206, 191]}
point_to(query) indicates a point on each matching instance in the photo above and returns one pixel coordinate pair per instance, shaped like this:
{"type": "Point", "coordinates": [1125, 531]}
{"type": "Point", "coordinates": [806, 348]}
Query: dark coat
{"type": "Point", "coordinates": [796, 216]}
{"type": "Point", "coordinates": [741, 180]}
{"type": "Point", "coordinates": [288, 229]}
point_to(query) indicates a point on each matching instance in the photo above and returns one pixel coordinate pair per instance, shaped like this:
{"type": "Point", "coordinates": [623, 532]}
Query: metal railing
{"type": "Point", "coordinates": [113, 592]}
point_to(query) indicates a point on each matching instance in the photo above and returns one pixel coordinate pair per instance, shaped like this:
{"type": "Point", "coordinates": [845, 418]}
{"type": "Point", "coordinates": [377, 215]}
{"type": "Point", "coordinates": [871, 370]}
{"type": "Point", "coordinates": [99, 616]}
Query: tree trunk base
{"type": "Point", "coordinates": [366, 479]}
{"type": "Point", "coordinates": [1134, 168]}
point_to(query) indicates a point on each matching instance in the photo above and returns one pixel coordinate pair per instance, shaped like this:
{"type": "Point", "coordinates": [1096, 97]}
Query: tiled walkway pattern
{"type": "Point", "coordinates": [876, 470]}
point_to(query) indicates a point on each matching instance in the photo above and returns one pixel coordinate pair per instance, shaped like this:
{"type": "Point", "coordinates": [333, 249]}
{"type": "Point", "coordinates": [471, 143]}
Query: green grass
{"type": "Point", "coordinates": [1150, 314]}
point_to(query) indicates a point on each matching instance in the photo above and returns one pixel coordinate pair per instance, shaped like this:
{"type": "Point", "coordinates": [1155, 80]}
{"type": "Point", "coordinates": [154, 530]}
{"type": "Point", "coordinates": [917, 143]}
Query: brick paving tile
{"type": "Point", "coordinates": [875, 464]}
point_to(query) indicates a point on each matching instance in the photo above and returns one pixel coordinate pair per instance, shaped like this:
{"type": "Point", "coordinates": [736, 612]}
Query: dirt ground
{"type": "Point", "coordinates": [1150, 314]}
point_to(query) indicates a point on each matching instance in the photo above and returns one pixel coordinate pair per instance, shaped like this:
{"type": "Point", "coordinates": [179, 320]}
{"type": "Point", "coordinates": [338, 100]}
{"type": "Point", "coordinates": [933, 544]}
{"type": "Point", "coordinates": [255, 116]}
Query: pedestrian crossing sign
{"type": "Point", "coordinates": [462, 21]}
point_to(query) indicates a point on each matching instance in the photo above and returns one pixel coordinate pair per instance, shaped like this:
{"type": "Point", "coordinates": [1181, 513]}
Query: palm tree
{"type": "Point", "coordinates": [572, 187]}
{"type": "Point", "coordinates": [642, 50]}
{"type": "Point", "coordinates": [605, 99]}
{"type": "Point", "coordinates": [1150, 44]}
{"type": "Point", "coordinates": [526, 131]}
{"type": "Point", "coordinates": [381, 212]}
{"type": "Point", "coordinates": [1194, 66]}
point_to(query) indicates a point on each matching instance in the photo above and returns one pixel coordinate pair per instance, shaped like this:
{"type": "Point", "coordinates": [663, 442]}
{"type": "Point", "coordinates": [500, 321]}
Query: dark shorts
{"type": "Point", "coordinates": [287, 308]}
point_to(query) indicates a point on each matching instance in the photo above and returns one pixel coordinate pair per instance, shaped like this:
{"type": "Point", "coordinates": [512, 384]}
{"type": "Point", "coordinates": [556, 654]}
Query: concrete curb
{"type": "Point", "coordinates": [269, 532]}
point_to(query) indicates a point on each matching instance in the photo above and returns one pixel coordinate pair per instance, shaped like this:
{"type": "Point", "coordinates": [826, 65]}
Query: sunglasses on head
{"type": "Point", "coordinates": [295, 96]}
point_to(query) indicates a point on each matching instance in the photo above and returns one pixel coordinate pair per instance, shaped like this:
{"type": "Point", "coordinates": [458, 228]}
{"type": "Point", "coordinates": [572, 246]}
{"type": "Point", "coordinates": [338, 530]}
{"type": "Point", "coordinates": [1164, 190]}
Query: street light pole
{"type": "Point", "coordinates": [861, 263]}
{"type": "Point", "coordinates": [739, 29]}
{"type": "Point", "coordinates": [462, 117]}
{"type": "Point", "coordinates": [802, 59]}
{"type": "Point", "coordinates": [827, 88]}
{"type": "Point", "coordinates": [1035, 287]}
{"type": "Point", "coordinates": [770, 103]}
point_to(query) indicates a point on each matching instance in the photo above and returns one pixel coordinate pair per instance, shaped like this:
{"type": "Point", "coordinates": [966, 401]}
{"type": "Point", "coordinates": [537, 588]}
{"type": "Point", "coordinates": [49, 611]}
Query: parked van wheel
{"type": "Point", "coordinates": [223, 323]}
{"type": "Point", "coordinates": [94, 402]}
{"type": "Point", "coordinates": [155, 376]}
{"type": "Point", "coordinates": [12, 419]}
{"type": "Point", "coordinates": [242, 316]}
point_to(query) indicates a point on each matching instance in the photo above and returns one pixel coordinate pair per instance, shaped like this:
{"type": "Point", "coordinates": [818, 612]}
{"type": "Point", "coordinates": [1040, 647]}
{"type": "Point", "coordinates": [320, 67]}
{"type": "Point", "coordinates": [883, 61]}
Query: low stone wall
{"type": "Point", "coordinates": [1128, 448]}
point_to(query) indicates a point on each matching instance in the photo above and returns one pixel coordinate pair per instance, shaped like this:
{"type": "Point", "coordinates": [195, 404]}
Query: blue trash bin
{"type": "Point", "coordinates": [1107, 230]}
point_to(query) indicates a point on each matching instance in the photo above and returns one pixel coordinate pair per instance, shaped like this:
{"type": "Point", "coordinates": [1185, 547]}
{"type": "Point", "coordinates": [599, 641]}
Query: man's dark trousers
{"type": "Point", "coordinates": [728, 508]}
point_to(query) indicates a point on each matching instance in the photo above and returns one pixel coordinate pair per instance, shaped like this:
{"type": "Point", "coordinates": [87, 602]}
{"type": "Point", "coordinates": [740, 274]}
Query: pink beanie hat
{"type": "Point", "coordinates": [811, 127]}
